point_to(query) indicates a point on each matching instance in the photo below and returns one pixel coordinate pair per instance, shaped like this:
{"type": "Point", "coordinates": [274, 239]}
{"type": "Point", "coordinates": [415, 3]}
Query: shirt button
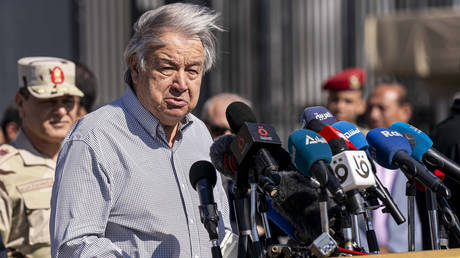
{"type": "Point", "coordinates": [191, 221]}
{"type": "Point", "coordinates": [183, 185]}
{"type": "Point", "coordinates": [197, 256]}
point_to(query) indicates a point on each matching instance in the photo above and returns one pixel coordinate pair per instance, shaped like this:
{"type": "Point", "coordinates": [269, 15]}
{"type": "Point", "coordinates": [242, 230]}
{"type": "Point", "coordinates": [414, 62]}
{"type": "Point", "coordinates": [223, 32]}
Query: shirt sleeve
{"type": "Point", "coordinates": [80, 205]}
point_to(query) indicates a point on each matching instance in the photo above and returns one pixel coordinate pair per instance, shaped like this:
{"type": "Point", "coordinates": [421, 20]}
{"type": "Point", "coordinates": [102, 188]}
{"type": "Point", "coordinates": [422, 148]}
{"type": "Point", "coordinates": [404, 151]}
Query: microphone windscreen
{"type": "Point", "coordinates": [202, 169]}
{"type": "Point", "coordinates": [422, 141]}
{"type": "Point", "coordinates": [299, 205]}
{"type": "Point", "coordinates": [315, 125]}
{"type": "Point", "coordinates": [352, 133]}
{"type": "Point", "coordinates": [283, 158]}
{"type": "Point", "coordinates": [384, 144]}
{"type": "Point", "coordinates": [222, 157]}
{"type": "Point", "coordinates": [337, 145]}
{"type": "Point", "coordinates": [306, 147]}
{"type": "Point", "coordinates": [237, 114]}
{"type": "Point", "coordinates": [317, 112]}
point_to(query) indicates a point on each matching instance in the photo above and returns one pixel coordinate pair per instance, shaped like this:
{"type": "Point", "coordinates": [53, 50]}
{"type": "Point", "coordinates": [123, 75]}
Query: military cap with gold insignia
{"type": "Point", "coordinates": [348, 79]}
{"type": "Point", "coordinates": [47, 77]}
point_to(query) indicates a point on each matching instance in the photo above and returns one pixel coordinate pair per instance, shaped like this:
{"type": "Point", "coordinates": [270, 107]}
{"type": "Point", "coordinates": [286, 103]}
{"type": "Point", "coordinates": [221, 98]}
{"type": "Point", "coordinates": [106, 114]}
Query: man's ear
{"type": "Point", "coordinates": [19, 101]}
{"type": "Point", "coordinates": [134, 69]}
{"type": "Point", "coordinates": [12, 129]}
{"type": "Point", "coordinates": [406, 112]}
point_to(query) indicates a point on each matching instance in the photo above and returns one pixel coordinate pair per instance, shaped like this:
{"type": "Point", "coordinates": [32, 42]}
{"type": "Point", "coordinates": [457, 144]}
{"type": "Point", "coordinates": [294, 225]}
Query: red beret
{"type": "Point", "coordinates": [348, 79]}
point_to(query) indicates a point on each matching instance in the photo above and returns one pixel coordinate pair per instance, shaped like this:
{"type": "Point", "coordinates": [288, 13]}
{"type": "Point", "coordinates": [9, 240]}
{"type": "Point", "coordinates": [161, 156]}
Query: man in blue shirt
{"type": "Point", "coordinates": [121, 187]}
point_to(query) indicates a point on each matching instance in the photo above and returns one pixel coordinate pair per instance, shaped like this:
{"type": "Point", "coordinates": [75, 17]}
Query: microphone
{"type": "Point", "coordinates": [317, 112]}
{"type": "Point", "coordinates": [359, 141]}
{"type": "Point", "coordinates": [425, 153]}
{"type": "Point", "coordinates": [296, 197]}
{"type": "Point", "coordinates": [319, 119]}
{"type": "Point", "coordinates": [299, 205]}
{"type": "Point", "coordinates": [225, 162]}
{"type": "Point", "coordinates": [311, 154]}
{"type": "Point", "coordinates": [329, 133]}
{"type": "Point", "coordinates": [352, 133]}
{"type": "Point", "coordinates": [352, 170]}
{"type": "Point", "coordinates": [252, 144]}
{"type": "Point", "coordinates": [203, 179]}
{"type": "Point", "coordinates": [222, 157]}
{"type": "Point", "coordinates": [391, 150]}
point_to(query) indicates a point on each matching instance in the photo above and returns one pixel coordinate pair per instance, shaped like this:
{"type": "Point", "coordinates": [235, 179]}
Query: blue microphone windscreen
{"type": "Point", "coordinates": [318, 112]}
{"type": "Point", "coordinates": [353, 134]}
{"type": "Point", "coordinates": [422, 141]}
{"type": "Point", "coordinates": [306, 147]}
{"type": "Point", "coordinates": [384, 144]}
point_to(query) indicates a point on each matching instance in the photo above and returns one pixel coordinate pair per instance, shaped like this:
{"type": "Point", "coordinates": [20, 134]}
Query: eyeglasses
{"type": "Point", "coordinates": [217, 130]}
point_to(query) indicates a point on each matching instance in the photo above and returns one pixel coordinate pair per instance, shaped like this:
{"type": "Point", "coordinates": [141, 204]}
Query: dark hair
{"type": "Point", "coordinates": [86, 82]}
{"type": "Point", "coordinates": [11, 115]}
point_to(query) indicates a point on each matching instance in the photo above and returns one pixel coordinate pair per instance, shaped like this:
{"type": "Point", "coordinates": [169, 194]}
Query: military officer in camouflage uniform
{"type": "Point", "coordinates": [48, 101]}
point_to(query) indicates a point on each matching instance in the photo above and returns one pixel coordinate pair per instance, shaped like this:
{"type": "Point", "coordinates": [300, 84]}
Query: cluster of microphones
{"type": "Point", "coordinates": [317, 189]}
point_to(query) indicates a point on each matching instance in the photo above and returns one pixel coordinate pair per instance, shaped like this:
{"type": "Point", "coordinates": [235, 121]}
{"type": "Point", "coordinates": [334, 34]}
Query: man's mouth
{"type": "Point", "coordinates": [176, 102]}
{"type": "Point", "coordinates": [58, 123]}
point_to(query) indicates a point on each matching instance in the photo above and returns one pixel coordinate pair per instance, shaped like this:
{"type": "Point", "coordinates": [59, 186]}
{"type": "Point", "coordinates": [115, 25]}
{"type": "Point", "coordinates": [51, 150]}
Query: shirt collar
{"type": "Point", "coordinates": [148, 121]}
{"type": "Point", "coordinates": [29, 154]}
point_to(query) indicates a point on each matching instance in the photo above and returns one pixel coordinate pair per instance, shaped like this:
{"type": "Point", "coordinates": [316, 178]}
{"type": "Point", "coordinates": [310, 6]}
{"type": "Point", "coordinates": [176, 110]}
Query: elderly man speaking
{"type": "Point", "coordinates": [121, 187]}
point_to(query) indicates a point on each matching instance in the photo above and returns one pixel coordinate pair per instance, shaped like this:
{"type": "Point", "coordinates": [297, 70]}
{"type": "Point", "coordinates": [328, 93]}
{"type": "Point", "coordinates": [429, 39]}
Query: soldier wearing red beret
{"type": "Point", "coordinates": [345, 98]}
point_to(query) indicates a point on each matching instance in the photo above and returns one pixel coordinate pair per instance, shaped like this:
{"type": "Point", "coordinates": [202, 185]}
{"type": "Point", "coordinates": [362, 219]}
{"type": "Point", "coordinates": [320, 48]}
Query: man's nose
{"type": "Point", "coordinates": [60, 109]}
{"type": "Point", "coordinates": [374, 114]}
{"type": "Point", "coordinates": [341, 104]}
{"type": "Point", "coordinates": [180, 81]}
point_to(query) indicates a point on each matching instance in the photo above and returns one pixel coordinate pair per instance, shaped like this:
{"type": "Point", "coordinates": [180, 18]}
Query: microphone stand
{"type": "Point", "coordinates": [323, 179]}
{"type": "Point", "coordinates": [242, 207]}
{"type": "Point", "coordinates": [215, 249]}
{"type": "Point", "coordinates": [443, 237]}
{"type": "Point", "coordinates": [448, 218]}
{"type": "Point", "coordinates": [258, 250]}
{"type": "Point", "coordinates": [370, 233]}
{"type": "Point", "coordinates": [356, 207]}
{"type": "Point", "coordinates": [346, 229]}
{"type": "Point", "coordinates": [263, 209]}
{"type": "Point", "coordinates": [354, 229]}
{"type": "Point", "coordinates": [209, 217]}
{"type": "Point", "coordinates": [322, 198]}
{"type": "Point", "coordinates": [410, 193]}
{"type": "Point", "coordinates": [431, 204]}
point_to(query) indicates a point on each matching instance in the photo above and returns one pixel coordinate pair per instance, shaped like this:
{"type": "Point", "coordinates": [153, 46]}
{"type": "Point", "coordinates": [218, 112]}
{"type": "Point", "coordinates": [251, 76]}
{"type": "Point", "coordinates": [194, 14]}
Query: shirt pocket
{"type": "Point", "coordinates": [37, 211]}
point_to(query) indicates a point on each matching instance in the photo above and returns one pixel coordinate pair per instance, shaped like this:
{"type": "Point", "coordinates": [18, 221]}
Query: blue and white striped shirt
{"type": "Point", "coordinates": [121, 191]}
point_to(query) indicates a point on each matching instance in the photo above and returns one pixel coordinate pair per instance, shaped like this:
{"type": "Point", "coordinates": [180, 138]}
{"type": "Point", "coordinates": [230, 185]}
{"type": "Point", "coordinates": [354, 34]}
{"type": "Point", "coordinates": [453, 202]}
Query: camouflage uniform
{"type": "Point", "coordinates": [26, 179]}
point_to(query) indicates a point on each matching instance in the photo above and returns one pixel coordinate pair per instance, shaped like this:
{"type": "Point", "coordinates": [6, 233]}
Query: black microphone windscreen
{"type": "Point", "coordinates": [337, 145]}
{"type": "Point", "coordinates": [222, 157]}
{"type": "Point", "coordinates": [237, 114]}
{"type": "Point", "coordinates": [202, 169]}
{"type": "Point", "coordinates": [315, 125]}
{"type": "Point", "coordinates": [283, 159]}
{"type": "Point", "coordinates": [298, 203]}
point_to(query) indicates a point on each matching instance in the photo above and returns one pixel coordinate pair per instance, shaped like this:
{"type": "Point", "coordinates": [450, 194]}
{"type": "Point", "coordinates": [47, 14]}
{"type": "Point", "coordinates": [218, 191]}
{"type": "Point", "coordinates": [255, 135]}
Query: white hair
{"type": "Point", "coordinates": [192, 20]}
